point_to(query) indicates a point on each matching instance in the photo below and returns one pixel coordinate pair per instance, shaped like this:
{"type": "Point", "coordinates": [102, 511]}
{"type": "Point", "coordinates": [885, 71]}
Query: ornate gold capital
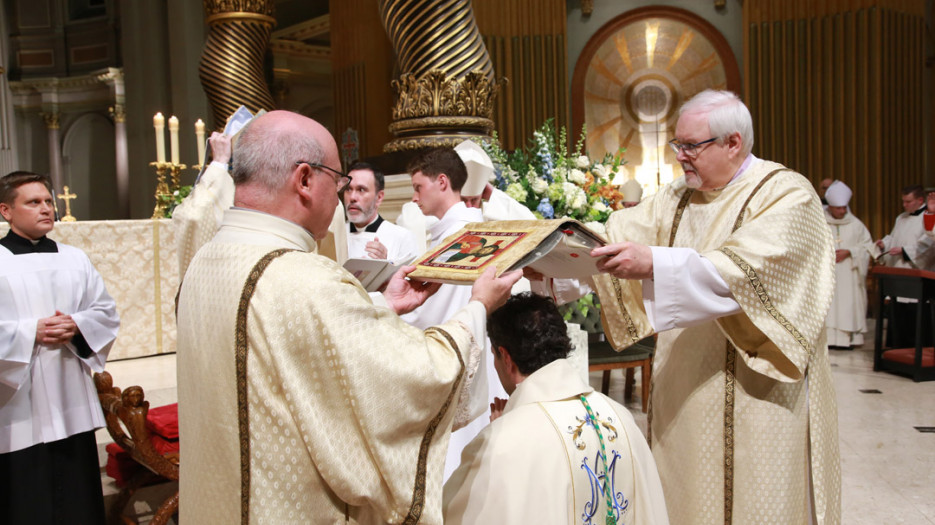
{"type": "Point", "coordinates": [118, 113]}
{"type": "Point", "coordinates": [51, 119]}
{"type": "Point", "coordinates": [437, 95]}
{"type": "Point", "coordinates": [215, 7]}
{"type": "Point", "coordinates": [587, 7]}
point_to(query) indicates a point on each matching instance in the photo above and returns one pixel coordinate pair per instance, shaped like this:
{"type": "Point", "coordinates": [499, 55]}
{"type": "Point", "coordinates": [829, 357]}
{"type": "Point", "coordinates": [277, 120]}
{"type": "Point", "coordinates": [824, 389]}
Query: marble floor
{"type": "Point", "coordinates": [888, 466]}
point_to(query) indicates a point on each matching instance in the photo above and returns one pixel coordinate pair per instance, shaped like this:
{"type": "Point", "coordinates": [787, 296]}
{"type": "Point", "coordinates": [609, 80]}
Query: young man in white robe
{"type": "Point", "coordinates": [57, 325]}
{"type": "Point", "coordinates": [853, 249]}
{"type": "Point", "coordinates": [542, 460]}
{"type": "Point", "coordinates": [300, 399]}
{"type": "Point", "coordinates": [369, 235]}
{"type": "Point", "coordinates": [907, 246]}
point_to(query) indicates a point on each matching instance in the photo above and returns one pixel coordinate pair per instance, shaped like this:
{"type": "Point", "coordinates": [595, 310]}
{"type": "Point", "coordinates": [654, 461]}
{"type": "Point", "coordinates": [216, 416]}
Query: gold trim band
{"type": "Point", "coordinates": [240, 15]}
{"type": "Point", "coordinates": [729, 367]}
{"type": "Point", "coordinates": [240, 356]}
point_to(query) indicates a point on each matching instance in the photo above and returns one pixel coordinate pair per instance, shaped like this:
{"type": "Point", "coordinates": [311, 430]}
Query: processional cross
{"type": "Point", "coordinates": [67, 197]}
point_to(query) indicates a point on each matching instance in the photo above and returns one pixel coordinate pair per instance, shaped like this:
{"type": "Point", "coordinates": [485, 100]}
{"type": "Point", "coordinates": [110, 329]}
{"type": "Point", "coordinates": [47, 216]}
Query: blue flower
{"type": "Point", "coordinates": [545, 208]}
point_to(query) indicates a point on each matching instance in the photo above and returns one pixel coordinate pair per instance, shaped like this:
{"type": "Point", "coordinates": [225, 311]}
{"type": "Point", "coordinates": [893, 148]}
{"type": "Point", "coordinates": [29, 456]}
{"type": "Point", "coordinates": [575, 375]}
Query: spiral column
{"type": "Point", "coordinates": [231, 68]}
{"type": "Point", "coordinates": [446, 87]}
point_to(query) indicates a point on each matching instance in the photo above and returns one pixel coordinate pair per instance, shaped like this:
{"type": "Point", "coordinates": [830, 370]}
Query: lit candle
{"type": "Point", "coordinates": [159, 122]}
{"type": "Point", "coordinates": [174, 139]}
{"type": "Point", "coordinates": [200, 139]}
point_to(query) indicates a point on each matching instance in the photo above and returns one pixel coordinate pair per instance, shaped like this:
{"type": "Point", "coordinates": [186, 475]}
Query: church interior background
{"type": "Point", "coordinates": [838, 89]}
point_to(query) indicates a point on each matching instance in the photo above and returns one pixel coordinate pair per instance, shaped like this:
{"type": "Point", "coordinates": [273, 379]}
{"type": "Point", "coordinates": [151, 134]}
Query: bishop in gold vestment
{"type": "Point", "coordinates": [743, 420]}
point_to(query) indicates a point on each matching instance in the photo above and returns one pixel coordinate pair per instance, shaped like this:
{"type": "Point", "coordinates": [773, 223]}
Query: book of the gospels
{"type": "Point", "coordinates": [557, 248]}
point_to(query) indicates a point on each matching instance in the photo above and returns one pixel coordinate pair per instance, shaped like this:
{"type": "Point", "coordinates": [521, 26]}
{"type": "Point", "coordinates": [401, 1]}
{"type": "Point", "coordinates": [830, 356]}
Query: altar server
{"type": "Point", "coordinates": [57, 325]}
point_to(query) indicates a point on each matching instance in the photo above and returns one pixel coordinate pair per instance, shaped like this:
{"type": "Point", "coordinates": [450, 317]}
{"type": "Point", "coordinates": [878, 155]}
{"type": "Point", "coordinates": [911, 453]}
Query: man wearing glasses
{"type": "Point", "coordinates": [300, 399]}
{"type": "Point", "coordinates": [733, 266]}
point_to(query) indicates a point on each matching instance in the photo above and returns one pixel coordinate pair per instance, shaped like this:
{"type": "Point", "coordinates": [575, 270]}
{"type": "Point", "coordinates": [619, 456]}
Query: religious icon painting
{"type": "Point", "coordinates": [473, 250]}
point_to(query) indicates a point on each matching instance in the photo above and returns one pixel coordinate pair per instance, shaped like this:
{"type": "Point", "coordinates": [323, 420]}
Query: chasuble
{"type": "Point", "coordinates": [539, 461]}
{"type": "Point", "coordinates": [300, 400]}
{"type": "Point", "coordinates": [847, 318]}
{"type": "Point", "coordinates": [743, 417]}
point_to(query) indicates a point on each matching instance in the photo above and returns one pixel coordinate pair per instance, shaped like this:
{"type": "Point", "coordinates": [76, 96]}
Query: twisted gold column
{"type": "Point", "coordinates": [231, 68]}
{"type": "Point", "coordinates": [446, 88]}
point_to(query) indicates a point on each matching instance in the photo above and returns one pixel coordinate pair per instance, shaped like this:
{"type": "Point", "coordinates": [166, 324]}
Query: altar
{"type": "Point", "coordinates": [138, 262]}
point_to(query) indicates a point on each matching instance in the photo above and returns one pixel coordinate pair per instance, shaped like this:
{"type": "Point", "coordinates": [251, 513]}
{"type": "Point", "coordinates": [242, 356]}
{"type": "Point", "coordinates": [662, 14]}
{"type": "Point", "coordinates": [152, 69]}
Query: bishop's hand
{"type": "Point", "coordinates": [493, 291]}
{"type": "Point", "coordinates": [403, 295]}
{"type": "Point", "coordinates": [625, 260]}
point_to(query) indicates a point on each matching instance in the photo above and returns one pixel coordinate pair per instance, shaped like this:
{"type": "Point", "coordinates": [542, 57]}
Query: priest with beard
{"type": "Point", "coordinates": [853, 248]}
{"type": "Point", "coordinates": [369, 234]}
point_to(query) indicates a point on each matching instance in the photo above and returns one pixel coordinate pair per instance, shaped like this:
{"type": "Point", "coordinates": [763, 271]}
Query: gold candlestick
{"type": "Point", "coordinates": [162, 189]}
{"type": "Point", "coordinates": [175, 168]}
{"type": "Point", "coordinates": [67, 197]}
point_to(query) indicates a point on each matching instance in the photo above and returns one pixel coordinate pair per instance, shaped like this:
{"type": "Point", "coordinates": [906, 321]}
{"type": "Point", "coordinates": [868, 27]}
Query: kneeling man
{"type": "Point", "coordinates": [545, 459]}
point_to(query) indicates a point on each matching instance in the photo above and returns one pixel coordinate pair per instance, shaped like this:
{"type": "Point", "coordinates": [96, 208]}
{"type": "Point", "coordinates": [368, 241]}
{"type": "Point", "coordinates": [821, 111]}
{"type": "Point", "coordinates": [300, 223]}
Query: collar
{"type": "Point", "coordinates": [555, 381]}
{"type": "Point", "coordinates": [20, 245]}
{"type": "Point", "coordinates": [370, 228]}
{"type": "Point", "coordinates": [920, 211]}
{"type": "Point", "coordinates": [263, 228]}
{"type": "Point", "coordinates": [457, 215]}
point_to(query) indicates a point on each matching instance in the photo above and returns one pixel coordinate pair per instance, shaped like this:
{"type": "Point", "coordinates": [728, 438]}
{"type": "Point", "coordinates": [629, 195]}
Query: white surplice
{"type": "Point", "coordinates": [847, 318]}
{"type": "Point", "coordinates": [539, 463]}
{"type": "Point", "coordinates": [502, 207]}
{"type": "Point", "coordinates": [46, 392]}
{"type": "Point", "coordinates": [909, 233]}
{"type": "Point", "coordinates": [400, 243]}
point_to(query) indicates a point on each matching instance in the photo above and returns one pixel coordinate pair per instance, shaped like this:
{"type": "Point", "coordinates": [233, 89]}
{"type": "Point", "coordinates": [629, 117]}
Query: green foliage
{"type": "Point", "coordinates": [174, 199]}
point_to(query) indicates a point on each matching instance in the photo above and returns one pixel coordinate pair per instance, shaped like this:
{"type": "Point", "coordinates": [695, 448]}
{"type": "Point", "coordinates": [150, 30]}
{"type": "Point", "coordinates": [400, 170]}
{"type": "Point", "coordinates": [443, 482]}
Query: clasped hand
{"type": "Point", "coordinates": [625, 260]}
{"type": "Point", "coordinates": [56, 330]}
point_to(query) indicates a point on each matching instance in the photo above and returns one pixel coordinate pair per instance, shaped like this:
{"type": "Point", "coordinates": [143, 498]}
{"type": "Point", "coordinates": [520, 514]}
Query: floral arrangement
{"type": "Point", "coordinates": [554, 184]}
{"type": "Point", "coordinates": [173, 199]}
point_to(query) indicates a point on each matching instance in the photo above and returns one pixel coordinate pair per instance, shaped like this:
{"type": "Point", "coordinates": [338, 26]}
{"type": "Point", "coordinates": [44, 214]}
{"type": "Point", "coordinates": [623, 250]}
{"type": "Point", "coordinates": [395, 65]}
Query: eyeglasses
{"type": "Point", "coordinates": [342, 179]}
{"type": "Point", "coordinates": [689, 149]}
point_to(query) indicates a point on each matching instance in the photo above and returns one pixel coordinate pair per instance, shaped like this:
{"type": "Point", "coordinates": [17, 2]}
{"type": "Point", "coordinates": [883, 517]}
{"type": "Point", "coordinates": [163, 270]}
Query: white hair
{"type": "Point", "coordinates": [727, 114]}
{"type": "Point", "coordinates": [267, 155]}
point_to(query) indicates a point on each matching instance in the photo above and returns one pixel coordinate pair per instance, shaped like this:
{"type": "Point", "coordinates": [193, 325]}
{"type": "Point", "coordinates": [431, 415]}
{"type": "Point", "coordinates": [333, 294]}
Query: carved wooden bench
{"type": "Point", "coordinates": [126, 414]}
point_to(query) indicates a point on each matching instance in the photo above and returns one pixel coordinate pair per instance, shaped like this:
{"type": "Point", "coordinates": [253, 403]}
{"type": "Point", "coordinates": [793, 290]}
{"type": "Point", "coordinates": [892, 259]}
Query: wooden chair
{"type": "Point", "coordinates": [602, 357]}
{"type": "Point", "coordinates": [126, 414]}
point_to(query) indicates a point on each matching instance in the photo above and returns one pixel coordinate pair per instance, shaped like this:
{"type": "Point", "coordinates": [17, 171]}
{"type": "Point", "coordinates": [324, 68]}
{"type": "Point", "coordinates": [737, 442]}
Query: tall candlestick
{"type": "Point", "coordinates": [174, 139]}
{"type": "Point", "coordinates": [159, 122]}
{"type": "Point", "coordinates": [200, 139]}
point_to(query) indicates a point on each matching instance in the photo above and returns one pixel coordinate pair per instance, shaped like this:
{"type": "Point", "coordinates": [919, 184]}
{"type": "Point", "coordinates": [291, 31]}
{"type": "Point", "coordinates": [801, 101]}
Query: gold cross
{"type": "Point", "coordinates": [67, 197]}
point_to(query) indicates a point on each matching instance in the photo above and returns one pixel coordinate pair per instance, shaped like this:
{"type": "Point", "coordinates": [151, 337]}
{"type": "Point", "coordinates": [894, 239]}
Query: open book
{"type": "Point", "coordinates": [373, 273]}
{"type": "Point", "coordinates": [557, 248]}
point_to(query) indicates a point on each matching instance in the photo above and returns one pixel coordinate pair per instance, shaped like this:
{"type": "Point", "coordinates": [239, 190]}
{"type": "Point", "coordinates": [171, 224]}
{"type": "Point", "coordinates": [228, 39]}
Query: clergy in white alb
{"type": "Point", "coordinates": [853, 248]}
{"type": "Point", "coordinates": [369, 235]}
{"type": "Point", "coordinates": [57, 324]}
{"type": "Point", "coordinates": [732, 265]}
{"type": "Point", "coordinates": [301, 400]}
{"type": "Point", "coordinates": [908, 246]}
{"type": "Point", "coordinates": [542, 460]}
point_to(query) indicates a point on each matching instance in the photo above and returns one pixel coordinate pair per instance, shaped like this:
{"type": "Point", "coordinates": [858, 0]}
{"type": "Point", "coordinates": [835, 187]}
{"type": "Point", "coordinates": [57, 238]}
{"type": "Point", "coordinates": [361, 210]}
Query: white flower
{"type": "Point", "coordinates": [580, 200]}
{"type": "Point", "coordinates": [600, 171]}
{"type": "Point", "coordinates": [601, 207]}
{"type": "Point", "coordinates": [509, 173]}
{"type": "Point", "coordinates": [517, 192]}
{"type": "Point", "coordinates": [577, 176]}
{"type": "Point", "coordinates": [597, 227]}
{"type": "Point", "coordinates": [583, 161]}
{"type": "Point", "coordinates": [539, 186]}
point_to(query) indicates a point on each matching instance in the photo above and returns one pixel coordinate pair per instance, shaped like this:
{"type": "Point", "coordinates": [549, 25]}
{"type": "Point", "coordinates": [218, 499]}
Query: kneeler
{"type": "Point", "coordinates": [145, 448]}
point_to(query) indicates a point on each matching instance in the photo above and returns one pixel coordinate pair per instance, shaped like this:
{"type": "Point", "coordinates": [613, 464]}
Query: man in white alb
{"type": "Point", "coordinates": [369, 234]}
{"type": "Point", "coordinates": [907, 246]}
{"type": "Point", "coordinates": [853, 248]}
{"type": "Point", "coordinates": [57, 325]}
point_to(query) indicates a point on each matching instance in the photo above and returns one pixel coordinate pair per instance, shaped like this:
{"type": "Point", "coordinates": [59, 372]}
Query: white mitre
{"type": "Point", "coordinates": [632, 191]}
{"type": "Point", "coordinates": [479, 167]}
{"type": "Point", "coordinates": [838, 194]}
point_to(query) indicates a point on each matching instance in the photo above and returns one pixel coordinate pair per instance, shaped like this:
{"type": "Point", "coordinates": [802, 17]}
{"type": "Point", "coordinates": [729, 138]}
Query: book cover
{"type": "Point", "coordinates": [556, 248]}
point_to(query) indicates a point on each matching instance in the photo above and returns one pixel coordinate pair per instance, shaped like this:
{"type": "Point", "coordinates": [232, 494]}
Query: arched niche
{"type": "Point", "coordinates": [89, 167]}
{"type": "Point", "coordinates": [633, 75]}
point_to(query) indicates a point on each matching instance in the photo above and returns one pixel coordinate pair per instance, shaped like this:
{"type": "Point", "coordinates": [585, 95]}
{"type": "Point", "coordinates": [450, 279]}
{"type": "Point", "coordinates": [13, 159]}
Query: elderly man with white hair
{"type": "Point", "coordinates": [853, 247]}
